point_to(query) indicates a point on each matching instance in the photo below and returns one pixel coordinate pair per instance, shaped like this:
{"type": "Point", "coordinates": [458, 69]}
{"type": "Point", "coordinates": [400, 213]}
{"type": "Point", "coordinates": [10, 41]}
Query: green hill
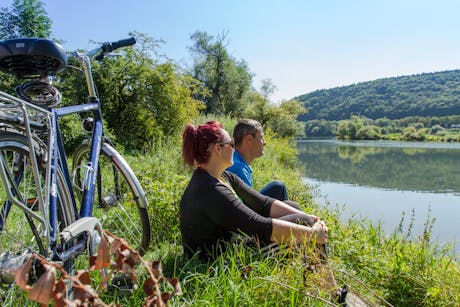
{"type": "Point", "coordinates": [427, 94]}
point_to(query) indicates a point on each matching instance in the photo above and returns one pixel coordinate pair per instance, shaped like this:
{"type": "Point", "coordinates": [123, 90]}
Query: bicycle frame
{"type": "Point", "coordinates": [48, 199]}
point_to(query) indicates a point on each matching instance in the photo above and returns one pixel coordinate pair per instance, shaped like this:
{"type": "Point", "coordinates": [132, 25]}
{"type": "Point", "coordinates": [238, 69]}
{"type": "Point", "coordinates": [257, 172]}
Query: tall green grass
{"type": "Point", "coordinates": [398, 268]}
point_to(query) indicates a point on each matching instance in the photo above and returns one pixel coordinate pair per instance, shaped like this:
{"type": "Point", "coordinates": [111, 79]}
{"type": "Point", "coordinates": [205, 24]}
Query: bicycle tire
{"type": "Point", "coordinates": [19, 233]}
{"type": "Point", "coordinates": [117, 190]}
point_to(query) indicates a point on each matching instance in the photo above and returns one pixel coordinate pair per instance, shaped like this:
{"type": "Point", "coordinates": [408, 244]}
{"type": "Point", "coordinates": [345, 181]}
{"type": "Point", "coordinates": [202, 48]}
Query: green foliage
{"type": "Point", "coordinates": [227, 122]}
{"type": "Point", "coordinates": [258, 108]}
{"type": "Point", "coordinates": [72, 131]}
{"type": "Point", "coordinates": [407, 129]}
{"type": "Point", "coordinates": [25, 18]}
{"type": "Point", "coordinates": [8, 83]}
{"type": "Point", "coordinates": [284, 120]}
{"type": "Point", "coordinates": [348, 129]}
{"type": "Point", "coordinates": [429, 94]}
{"type": "Point", "coordinates": [143, 100]}
{"type": "Point", "coordinates": [281, 119]}
{"type": "Point", "coordinates": [320, 128]}
{"type": "Point", "coordinates": [226, 79]}
{"type": "Point", "coordinates": [411, 270]}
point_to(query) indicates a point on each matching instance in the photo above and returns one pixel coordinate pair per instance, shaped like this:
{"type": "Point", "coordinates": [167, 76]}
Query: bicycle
{"type": "Point", "coordinates": [47, 207]}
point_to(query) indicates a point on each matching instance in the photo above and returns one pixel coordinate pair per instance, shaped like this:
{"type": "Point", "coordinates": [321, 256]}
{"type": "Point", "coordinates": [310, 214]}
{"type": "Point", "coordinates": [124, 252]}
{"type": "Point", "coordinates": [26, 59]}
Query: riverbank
{"type": "Point", "coordinates": [401, 271]}
{"type": "Point", "coordinates": [414, 128]}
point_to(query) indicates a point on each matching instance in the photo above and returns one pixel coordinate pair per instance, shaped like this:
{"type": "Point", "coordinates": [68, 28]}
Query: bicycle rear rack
{"type": "Point", "coordinates": [19, 116]}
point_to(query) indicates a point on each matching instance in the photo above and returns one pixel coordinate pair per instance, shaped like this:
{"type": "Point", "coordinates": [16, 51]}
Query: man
{"type": "Point", "coordinates": [249, 145]}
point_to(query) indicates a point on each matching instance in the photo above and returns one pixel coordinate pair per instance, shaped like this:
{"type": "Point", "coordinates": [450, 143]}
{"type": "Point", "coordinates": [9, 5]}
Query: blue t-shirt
{"type": "Point", "coordinates": [241, 168]}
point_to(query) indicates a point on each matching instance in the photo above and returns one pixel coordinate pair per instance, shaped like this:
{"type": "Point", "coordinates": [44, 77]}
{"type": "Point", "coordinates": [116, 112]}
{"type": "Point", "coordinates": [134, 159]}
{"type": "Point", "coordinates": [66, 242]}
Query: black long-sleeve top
{"type": "Point", "coordinates": [211, 210]}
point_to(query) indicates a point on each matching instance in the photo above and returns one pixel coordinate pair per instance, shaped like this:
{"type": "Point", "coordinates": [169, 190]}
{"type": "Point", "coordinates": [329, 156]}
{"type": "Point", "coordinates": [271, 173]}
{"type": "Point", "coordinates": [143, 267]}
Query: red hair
{"type": "Point", "coordinates": [196, 140]}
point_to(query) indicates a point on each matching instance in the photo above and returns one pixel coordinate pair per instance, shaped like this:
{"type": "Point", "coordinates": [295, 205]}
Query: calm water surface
{"type": "Point", "coordinates": [384, 180]}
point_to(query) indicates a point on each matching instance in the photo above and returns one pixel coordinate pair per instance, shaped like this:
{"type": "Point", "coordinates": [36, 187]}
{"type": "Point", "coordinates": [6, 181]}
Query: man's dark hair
{"type": "Point", "coordinates": [244, 127]}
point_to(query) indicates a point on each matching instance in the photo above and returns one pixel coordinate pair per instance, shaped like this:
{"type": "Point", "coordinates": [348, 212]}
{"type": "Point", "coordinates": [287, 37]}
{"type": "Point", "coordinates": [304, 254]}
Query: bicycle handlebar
{"type": "Point", "coordinates": [118, 44]}
{"type": "Point", "coordinates": [107, 47]}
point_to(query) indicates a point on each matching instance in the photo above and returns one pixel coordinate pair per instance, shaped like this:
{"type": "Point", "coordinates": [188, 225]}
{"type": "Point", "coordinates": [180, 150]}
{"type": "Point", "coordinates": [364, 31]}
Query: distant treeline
{"type": "Point", "coordinates": [428, 95]}
{"type": "Point", "coordinates": [414, 128]}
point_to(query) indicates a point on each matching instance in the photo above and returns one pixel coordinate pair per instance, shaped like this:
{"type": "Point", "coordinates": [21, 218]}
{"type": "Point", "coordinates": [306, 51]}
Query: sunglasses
{"type": "Point", "coordinates": [231, 143]}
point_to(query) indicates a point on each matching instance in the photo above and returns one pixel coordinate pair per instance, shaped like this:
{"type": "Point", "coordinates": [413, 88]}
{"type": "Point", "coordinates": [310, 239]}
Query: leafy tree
{"type": "Point", "coordinates": [258, 108]}
{"type": "Point", "coordinates": [226, 79]}
{"type": "Point", "coordinates": [368, 132]}
{"type": "Point", "coordinates": [348, 129]}
{"type": "Point", "coordinates": [280, 119]}
{"type": "Point", "coordinates": [320, 128]}
{"type": "Point", "coordinates": [25, 18]}
{"type": "Point", "coordinates": [267, 88]}
{"type": "Point", "coordinates": [284, 121]}
{"type": "Point", "coordinates": [436, 129]}
{"type": "Point", "coordinates": [143, 99]}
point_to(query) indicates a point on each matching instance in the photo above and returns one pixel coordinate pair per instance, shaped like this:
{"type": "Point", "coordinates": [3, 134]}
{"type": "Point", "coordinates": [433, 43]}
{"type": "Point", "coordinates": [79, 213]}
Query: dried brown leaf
{"type": "Point", "coordinates": [130, 261]}
{"type": "Point", "coordinates": [83, 293]}
{"type": "Point", "coordinates": [84, 277]}
{"type": "Point", "coordinates": [43, 290]}
{"type": "Point", "coordinates": [21, 277]}
{"type": "Point", "coordinates": [102, 259]}
{"type": "Point", "coordinates": [59, 294]}
{"type": "Point", "coordinates": [157, 269]}
{"type": "Point", "coordinates": [115, 245]}
{"type": "Point", "coordinates": [153, 301]}
{"type": "Point", "coordinates": [166, 296]}
{"type": "Point", "coordinates": [118, 264]}
{"type": "Point", "coordinates": [176, 285]}
{"type": "Point", "coordinates": [149, 286]}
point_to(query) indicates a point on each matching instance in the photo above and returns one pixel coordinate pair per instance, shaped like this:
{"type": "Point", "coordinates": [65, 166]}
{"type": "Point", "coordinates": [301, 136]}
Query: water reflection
{"type": "Point", "coordinates": [420, 167]}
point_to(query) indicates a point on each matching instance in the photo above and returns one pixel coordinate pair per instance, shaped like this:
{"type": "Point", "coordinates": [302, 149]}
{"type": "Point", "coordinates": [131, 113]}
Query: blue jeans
{"type": "Point", "coordinates": [277, 189]}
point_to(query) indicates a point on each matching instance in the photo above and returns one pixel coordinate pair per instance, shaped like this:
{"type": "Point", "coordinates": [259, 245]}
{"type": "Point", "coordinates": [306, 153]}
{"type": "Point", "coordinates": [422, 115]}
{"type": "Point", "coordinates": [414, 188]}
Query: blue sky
{"type": "Point", "coordinates": [300, 45]}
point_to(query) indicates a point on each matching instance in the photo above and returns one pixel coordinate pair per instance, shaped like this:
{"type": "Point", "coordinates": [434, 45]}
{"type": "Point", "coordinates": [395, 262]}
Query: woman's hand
{"type": "Point", "coordinates": [319, 230]}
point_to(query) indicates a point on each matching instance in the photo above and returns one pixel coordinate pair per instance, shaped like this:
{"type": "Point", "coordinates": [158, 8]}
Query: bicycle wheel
{"type": "Point", "coordinates": [21, 232]}
{"type": "Point", "coordinates": [120, 202]}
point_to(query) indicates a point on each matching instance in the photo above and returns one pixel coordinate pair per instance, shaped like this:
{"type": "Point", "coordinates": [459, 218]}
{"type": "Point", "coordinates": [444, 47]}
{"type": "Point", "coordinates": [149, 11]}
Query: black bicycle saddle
{"type": "Point", "coordinates": [32, 57]}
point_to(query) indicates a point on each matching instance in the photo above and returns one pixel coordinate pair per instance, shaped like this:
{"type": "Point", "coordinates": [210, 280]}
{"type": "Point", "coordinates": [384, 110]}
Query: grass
{"type": "Point", "coordinates": [397, 268]}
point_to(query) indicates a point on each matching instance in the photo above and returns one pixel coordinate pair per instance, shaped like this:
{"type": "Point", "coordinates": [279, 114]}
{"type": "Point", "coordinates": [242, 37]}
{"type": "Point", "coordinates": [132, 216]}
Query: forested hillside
{"type": "Point", "coordinates": [428, 94]}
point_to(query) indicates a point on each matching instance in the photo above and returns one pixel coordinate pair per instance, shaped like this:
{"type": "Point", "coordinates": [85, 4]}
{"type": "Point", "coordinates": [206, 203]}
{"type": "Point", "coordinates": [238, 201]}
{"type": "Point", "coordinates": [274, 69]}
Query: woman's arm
{"type": "Point", "coordinates": [279, 209]}
{"type": "Point", "coordinates": [287, 232]}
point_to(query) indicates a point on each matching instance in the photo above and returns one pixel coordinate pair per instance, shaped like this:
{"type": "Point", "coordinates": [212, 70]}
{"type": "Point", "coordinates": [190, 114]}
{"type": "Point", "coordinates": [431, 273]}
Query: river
{"type": "Point", "coordinates": [383, 181]}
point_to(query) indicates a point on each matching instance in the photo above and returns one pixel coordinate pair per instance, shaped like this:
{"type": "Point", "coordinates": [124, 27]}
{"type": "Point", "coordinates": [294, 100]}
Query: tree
{"type": "Point", "coordinates": [348, 129]}
{"type": "Point", "coordinates": [226, 79]}
{"type": "Point", "coordinates": [25, 18]}
{"type": "Point", "coordinates": [258, 108]}
{"type": "Point", "coordinates": [267, 88]}
{"type": "Point", "coordinates": [143, 99]}
{"type": "Point", "coordinates": [284, 120]}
